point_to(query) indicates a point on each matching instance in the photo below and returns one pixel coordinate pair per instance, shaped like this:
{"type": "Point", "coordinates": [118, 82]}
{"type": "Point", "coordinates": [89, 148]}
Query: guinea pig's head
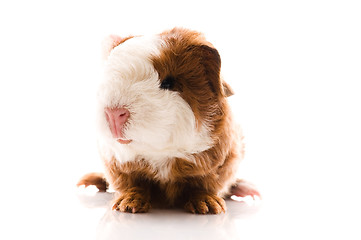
{"type": "Point", "coordinates": [162, 93]}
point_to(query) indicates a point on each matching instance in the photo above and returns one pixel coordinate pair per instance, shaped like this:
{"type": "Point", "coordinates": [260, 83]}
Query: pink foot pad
{"type": "Point", "coordinates": [243, 189]}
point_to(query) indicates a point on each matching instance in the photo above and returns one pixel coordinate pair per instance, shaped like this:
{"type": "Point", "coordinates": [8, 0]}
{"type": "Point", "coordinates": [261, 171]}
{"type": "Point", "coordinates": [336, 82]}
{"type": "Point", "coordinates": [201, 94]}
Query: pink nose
{"type": "Point", "coordinates": [117, 118]}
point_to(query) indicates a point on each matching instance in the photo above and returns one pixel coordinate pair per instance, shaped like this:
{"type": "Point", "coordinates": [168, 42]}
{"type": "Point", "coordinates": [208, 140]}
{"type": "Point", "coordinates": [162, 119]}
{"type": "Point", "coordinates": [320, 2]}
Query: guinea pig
{"type": "Point", "coordinates": [166, 132]}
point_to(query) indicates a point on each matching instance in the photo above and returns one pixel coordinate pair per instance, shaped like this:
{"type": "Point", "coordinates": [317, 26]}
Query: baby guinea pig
{"type": "Point", "coordinates": [166, 132]}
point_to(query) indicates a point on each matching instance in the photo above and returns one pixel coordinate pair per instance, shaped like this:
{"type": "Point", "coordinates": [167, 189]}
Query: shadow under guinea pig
{"type": "Point", "coordinates": [168, 223]}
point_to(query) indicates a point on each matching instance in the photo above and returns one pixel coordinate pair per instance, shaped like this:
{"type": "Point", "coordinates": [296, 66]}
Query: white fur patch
{"type": "Point", "coordinates": [161, 125]}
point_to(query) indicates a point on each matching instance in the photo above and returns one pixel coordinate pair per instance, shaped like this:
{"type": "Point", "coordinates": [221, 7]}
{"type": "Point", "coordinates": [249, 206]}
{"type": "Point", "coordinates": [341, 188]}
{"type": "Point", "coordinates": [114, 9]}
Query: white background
{"type": "Point", "coordinates": [295, 67]}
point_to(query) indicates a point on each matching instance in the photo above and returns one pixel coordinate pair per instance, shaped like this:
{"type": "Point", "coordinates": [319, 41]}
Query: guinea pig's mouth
{"type": "Point", "coordinates": [124, 141]}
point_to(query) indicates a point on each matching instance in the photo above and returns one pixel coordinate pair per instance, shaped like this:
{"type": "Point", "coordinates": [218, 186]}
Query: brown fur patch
{"type": "Point", "coordinates": [195, 66]}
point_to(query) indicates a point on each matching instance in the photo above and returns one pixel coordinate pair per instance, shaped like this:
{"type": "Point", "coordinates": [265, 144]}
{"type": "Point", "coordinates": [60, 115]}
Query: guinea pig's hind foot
{"type": "Point", "coordinates": [96, 179]}
{"type": "Point", "coordinates": [243, 188]}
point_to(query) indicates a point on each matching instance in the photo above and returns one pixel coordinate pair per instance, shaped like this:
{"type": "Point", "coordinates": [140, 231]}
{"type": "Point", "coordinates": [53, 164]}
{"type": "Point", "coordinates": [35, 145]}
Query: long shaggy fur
{"type": "Point", "coordinates": [185, 147]}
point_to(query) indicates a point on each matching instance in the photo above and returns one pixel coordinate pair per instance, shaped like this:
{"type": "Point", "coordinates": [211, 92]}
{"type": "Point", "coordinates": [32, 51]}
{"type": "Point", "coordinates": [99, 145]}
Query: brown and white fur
{"type": "Point", "coordinates": [166, 132]}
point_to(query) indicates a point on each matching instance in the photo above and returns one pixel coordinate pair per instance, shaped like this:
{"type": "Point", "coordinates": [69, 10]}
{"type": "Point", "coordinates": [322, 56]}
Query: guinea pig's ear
{"type": "Point", "coordinates": [227, 90]}
{"type": "Point", "coordinates": [110, 42]}
{"type": "Point", "coordinates": [212, 63]}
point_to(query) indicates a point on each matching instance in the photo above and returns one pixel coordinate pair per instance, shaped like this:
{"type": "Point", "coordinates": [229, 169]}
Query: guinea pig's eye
{"type": "Point", "coordinates": [167, 83]}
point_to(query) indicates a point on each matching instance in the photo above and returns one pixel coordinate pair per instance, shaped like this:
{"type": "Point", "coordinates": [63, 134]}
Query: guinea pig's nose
{"type": "Point", "coordinates": [117, 117]}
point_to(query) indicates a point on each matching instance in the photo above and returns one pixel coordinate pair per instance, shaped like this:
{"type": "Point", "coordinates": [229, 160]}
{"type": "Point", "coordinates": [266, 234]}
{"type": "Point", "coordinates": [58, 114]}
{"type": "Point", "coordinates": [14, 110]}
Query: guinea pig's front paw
{"type": "Point", "coordinates": [205, 203]}
{"type": "Point", "coordinates": [132, 202]}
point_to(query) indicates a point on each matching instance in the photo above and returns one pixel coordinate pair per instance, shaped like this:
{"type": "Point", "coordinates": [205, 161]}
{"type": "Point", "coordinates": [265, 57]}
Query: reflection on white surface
{"type": "Point", "coordinates": [168, 223]}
